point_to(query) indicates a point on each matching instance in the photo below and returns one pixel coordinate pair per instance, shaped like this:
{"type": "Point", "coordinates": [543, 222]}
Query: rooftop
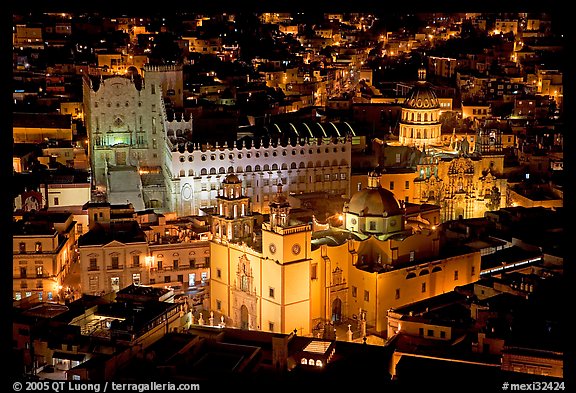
{"type": "Point", "coordinates": [41, 120]}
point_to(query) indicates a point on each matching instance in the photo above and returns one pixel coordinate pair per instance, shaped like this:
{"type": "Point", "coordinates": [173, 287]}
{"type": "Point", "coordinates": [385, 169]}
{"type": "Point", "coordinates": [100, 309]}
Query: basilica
{"type": "Point", "coordinates": [286, 275]}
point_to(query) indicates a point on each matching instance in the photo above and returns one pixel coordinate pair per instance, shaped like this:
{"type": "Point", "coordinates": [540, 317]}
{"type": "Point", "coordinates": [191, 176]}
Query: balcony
{"type": "Point", "coordinates": [170, 268]}
{"type": "Point", "coordinates": [114, 267]}
{"type": "Point", "coordinates": [93, 268]}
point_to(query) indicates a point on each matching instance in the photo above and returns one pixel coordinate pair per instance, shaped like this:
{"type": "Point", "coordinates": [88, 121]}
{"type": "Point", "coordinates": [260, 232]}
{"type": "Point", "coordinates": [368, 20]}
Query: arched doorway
{"type": "Point", "coordinates": [244, 317]}
{"type": "Point", "coordinates": [336, 310]}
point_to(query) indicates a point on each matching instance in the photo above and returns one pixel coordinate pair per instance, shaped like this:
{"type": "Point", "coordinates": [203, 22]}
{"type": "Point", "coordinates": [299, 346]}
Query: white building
{"type": "Point", "coordinates": [140, 156]}
{"type": "Point", "coordinates": [319, 164]}
{"type": "Point", "coordinates": [125, 119]}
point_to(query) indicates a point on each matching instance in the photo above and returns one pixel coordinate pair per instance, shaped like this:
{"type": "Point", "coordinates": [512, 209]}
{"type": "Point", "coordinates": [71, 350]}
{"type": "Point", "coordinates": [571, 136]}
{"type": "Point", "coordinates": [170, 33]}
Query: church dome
{"type": "Point", "coordinates": [422, 95]}
{"type": "Point", "coordinates": [232, 179]}
{"type": "Point", "coordinates": [374, 200]}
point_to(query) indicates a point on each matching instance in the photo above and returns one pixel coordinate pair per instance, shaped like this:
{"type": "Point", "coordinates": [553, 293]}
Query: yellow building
{"type": "Point", "coordinates": [43, 250]}
{"type": "Point", "coordinates": [118, 63]}
{"type": "Point", "coordinates": [38, 127]}
{"type": "Point", "coordinates": [288, 277]}
{"type": "Point", "coordinates": [420, 119]}
{"type": "Point", "coordinates": [464, 175]}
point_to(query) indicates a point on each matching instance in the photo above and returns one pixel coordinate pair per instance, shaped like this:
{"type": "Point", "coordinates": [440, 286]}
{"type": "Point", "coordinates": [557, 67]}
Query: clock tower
{"type": "Point", "coordinates": [282, 240]}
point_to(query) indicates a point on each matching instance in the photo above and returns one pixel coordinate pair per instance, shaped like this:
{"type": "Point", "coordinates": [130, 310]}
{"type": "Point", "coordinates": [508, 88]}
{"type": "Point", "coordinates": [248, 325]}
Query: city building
{"type": "Point", "coordinates": [39, 127]}
{"type": "Point", "coordinates": [101, 333]}
{"type": "Point", "coordinates": [124, 247]}
{"type": "Point", "coordinates": [150, 160]}
{"type": "Point", "coordinates": [464, 181]}
{"type": "Point", "coordinates": [126, 123]}
{"type": "Point", "coordinates": [288, 277]}
{"type": "Point", "coordinates": [43, 251]}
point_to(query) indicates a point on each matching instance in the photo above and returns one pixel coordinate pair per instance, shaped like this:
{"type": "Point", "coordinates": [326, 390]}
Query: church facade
{"type": "Point", "coordinates": [464, 181]}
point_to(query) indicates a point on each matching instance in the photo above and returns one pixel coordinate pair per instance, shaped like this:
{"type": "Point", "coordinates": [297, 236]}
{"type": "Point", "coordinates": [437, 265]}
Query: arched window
{"type": "Point", "coordinates": [318, 363]}
{"type": "Point", "coordinates": [257, 168]}
{"type": "Point", "coordinates": [230, 169]}
{"type": "Point", "coordinates": [310, 362]}
{"type": "Point", "coordinates": [423, 272]}
{"type": "Point", "coordinates": [203, 171]}
{"type": "Point", "coordinates": [221, 170]}
{"type": "Point", "coordinates": [212, 171]}
{"type": "Point", "coordinates": [190, 172]}
{"type": "Point", "coordinates": [293, 165]}
{"type": "Point", "coordinates": [284, 166]}
{"type": "Point", "coordinates": [274, 167]}
{"type": "Point", "coordinates": [410, 275]}
{"type": "Point", "coordinates": [343, 163]}
{"type": "Point", "coordinates": [436, 269]}
{"type": "Point", "coordinates": [248, 168]}
{"type": "Point", "coordinates": [266, 167]}
{"type": "Point", "coordinates": [239, 169]}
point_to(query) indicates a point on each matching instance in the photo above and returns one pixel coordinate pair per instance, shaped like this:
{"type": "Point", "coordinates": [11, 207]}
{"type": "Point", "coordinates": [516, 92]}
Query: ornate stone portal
{"type": "Point", "coordinates": [244, 298]}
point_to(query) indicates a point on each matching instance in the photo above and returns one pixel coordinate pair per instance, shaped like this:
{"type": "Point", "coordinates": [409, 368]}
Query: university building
{"type": "Point", "coordinates": [141, 155]}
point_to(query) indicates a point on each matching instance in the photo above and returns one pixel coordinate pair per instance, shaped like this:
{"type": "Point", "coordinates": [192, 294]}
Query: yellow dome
{"type": "Point", "coordinates": [374, 202]}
